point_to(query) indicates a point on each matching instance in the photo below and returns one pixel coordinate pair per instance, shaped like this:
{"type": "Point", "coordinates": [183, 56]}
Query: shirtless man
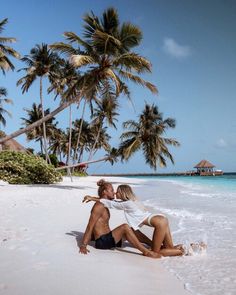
{"type": "Point", "coordinates": [98, 226]}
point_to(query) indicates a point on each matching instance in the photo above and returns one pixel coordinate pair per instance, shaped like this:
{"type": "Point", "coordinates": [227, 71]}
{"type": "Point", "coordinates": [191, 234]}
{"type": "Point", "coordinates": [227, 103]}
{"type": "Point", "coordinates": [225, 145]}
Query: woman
{"type": "Point", "coordinates": [137, 215]}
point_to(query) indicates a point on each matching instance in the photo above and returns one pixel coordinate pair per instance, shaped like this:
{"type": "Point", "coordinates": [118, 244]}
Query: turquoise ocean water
{"type": "Point", "coordinates": [198, 209]}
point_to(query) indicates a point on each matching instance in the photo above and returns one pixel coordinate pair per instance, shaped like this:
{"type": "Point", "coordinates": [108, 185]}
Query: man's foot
{"type": "Point", "coordinates": [152, 254]}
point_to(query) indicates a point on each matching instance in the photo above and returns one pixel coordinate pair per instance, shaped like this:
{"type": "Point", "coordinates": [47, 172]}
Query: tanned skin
{"type": "Point", "coordinates": [98, 225]}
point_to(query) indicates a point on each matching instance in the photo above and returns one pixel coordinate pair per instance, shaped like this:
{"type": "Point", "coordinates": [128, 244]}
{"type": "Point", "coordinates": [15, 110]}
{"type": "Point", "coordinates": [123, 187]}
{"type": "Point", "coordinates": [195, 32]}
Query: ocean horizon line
{"type": "Point", "coordinates": [155, 174]}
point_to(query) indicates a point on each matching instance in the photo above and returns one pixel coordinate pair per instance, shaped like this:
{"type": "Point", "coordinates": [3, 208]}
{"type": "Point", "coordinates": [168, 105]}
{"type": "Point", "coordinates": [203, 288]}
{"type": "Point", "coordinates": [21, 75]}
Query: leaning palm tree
{"type": "Point", "coordinates": [41, 63]}
{"type": "Point", "coordinates": [5, 51]}
{"type": "Point", "coordinates": [105, 57]}
{"type": "Point", "coordinates": [148, 135]}
{"type": "Point", "coordinates": [3, 111]}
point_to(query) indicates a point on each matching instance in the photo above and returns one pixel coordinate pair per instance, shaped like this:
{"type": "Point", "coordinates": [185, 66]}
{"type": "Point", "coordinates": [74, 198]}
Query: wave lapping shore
{"type": "Point", "coordinates": [199, 209]}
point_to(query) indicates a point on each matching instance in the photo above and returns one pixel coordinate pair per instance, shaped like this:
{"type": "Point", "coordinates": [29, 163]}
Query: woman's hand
{"type": "Point", "coordinates": [87, 199]}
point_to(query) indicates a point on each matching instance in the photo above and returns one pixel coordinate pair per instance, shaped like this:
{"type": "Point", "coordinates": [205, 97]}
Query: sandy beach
{"type": "Point", "coordinates": [39, 229]}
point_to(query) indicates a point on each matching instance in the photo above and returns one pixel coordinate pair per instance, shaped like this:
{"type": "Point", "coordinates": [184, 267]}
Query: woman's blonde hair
{"type": "Point", "coordinates": [102, 186]}
{"type": "Point", "coordinates": [126, 192]}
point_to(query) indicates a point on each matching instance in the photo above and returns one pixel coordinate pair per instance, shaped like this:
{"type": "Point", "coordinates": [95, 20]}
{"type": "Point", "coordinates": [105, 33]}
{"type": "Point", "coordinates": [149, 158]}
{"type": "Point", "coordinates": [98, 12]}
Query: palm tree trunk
{"type": "Point", "coordinates": [69, 144]}
{"type": "Point", "coordinates": [44, 125]}
{"type": "Point", "coordinates": [41, 145]}
{"type": "Point", "coordinates": [94, 145]}
{"type": "Point", "coordinates": [83, 163]}
{"type": "Point", "coordinates": [80, 130]}
{"type": "Point", "coordinates": [39, 122]}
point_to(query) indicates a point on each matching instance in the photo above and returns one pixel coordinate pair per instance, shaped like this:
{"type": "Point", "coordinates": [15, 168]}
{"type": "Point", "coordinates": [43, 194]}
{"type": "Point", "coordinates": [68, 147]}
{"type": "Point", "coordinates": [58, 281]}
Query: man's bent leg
{"type": "Point", "coordinates": [124, 231]}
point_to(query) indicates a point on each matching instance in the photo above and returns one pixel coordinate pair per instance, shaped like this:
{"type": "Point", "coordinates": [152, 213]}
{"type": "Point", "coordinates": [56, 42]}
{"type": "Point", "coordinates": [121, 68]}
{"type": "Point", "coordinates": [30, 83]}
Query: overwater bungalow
{"type": "Point", "coordinates": [205, 168]}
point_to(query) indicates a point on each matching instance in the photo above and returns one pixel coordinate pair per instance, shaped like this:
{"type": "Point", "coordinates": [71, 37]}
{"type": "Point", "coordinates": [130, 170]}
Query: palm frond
{"type": "Point", "coordinates": [138, 80]}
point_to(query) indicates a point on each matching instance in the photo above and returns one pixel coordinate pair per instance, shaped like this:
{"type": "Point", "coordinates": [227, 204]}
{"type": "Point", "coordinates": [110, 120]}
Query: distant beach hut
{"type": "Point", "coordinates": [12, 145]}
{"type": "Point", "coordinates": [205, 168]}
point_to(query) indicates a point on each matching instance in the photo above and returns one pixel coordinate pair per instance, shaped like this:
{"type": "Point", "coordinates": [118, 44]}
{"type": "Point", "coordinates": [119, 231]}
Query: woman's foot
{"type": "Point", "coordinates": [195, 248]}
{"type": "Point", "coordinates": [152, 254]}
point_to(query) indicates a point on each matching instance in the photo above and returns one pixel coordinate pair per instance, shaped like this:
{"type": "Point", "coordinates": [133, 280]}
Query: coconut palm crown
{"type": "Point", "coordinates": [147, 134]}
{"type": "Point", "coordinates": [104, 55]}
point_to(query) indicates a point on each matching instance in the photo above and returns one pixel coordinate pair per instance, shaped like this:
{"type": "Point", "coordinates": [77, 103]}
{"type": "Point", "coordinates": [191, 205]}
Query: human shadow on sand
{"type": "Point", "coordinates": [79, 237]}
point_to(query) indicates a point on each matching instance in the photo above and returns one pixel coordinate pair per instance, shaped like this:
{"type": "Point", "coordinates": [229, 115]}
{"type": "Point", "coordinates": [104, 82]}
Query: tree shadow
{"type": "Point", "coordinates": [65, 187]}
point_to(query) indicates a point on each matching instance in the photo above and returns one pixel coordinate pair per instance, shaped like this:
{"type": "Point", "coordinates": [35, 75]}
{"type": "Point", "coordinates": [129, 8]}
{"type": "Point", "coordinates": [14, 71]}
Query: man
{"type": "Point", "coordinates": [98, 226]}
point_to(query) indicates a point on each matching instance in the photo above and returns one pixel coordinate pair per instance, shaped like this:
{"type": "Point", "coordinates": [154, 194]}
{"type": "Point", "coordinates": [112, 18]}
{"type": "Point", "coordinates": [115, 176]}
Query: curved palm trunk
{"type": "Point", "coordinates": [80, 130]}
{"type": "Point", "coordinates": [39, 122]}
{"type": "Point", "coordinates": [44, 125]}
{"type": "Point", "coordinates": [83, 163]}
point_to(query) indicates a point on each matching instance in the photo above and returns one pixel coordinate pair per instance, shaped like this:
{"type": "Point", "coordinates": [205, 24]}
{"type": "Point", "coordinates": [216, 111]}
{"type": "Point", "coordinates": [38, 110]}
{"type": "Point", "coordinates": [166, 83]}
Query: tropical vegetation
{"type": "Point", "coordinates": [21, 168]}
{"type": "Point", "coordinates": [93, 73]}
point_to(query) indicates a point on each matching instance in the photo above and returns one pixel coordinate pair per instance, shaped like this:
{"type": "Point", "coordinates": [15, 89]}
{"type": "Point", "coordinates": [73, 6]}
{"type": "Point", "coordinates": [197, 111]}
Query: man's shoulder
{"type": "Point", "coordinates": [97, 207]}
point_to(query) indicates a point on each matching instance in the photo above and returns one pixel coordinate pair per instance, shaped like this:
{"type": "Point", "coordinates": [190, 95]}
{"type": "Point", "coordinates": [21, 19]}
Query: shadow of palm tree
{"type": "Point", "coordinates": [66, 187]}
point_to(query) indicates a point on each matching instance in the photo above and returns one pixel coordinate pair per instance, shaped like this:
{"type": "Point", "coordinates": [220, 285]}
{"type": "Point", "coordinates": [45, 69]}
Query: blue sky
{"type": "Point", "coordinates": [191, 45]}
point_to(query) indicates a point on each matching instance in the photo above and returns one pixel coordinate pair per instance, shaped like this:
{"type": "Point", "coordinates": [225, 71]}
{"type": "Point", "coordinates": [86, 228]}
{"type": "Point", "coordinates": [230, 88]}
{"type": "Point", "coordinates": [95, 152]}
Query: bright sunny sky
{"type": "Point", "coordinates": [191, 45]}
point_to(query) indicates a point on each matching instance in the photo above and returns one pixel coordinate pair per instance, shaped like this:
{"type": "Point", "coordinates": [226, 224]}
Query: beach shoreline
{"type": "Point", "coordinates": [40, 227]}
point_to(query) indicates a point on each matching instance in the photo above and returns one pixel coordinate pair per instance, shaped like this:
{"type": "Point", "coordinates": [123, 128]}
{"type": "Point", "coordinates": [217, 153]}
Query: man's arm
{"type": "Point", "coordinates": [94, 216]}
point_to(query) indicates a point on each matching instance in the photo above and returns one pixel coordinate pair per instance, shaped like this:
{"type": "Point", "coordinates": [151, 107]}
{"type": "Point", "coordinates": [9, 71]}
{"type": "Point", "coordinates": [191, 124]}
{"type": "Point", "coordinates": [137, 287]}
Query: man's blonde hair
{"type": "Point", "coordinates": [126, 192]}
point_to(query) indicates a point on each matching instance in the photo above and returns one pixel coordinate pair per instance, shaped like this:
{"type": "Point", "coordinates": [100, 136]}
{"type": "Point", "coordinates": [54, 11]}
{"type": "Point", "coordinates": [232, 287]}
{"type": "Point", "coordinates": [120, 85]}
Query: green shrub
{"type": "Point", "coordinates": [20, 168]}
{"type": "Point", "coordinates": [75, 173]}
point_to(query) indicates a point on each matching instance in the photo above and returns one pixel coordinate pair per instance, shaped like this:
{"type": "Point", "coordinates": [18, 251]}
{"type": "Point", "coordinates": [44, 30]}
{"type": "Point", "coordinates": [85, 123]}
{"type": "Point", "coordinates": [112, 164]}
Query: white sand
{"type": "Point", "coordinates": [39, 253]}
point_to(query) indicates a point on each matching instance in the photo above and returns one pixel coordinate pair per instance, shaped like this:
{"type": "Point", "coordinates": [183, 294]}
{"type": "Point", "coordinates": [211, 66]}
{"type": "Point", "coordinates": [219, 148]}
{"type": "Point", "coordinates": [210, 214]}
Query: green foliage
{"type": "Point", "coordinates": [75, 173]}
{"type": "Point", "coordinates": [20, 168]}
{"type": "Point", "coordinates": [53, 159]}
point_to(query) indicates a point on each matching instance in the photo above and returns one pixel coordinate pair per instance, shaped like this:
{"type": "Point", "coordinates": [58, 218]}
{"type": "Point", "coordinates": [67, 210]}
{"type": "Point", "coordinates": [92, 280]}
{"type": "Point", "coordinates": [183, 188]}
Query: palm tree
{"type": "Point", "coordinates": [83, 131]}
{"type": "Point", "coordinates": [3, 92]}
{"type": "Point", "coordinates": [63, 79]}
{"type": "Point", "coordinates": [58, 141]}
{"type": "Point", "coordinates": [106, 111]}
{"type": "Point", "coordinates": [41, 62]}
{"type": "Point", "coordinates": [33, 115]}
{"type": "Point", "coordinates": [104, 58]}
{"type": "Point", "coordinates": [103, 139]}
{"type": "Point", "coordinates": [5, 51]}
{"type": "Point", "coordinates": [147, 135]}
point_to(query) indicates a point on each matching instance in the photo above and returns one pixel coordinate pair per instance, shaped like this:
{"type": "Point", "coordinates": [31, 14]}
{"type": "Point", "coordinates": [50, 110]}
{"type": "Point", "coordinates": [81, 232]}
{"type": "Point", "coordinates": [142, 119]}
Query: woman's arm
{"type": "Point", "coordinates": [88, 198]}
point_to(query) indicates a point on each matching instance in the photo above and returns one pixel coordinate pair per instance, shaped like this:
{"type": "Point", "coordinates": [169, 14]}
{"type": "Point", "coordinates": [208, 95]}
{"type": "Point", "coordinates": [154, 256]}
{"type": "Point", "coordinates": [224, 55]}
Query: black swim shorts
{"type": "Point", "coordinates": [107, 242]}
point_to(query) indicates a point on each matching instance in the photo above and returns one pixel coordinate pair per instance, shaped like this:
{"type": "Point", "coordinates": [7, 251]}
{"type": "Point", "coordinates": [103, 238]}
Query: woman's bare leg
{"type": "Point", "coordinates": [161, 236]}
{"type": "Point", "coordinates": [143, 238]}
{"type": "Point", "coordinates": [124, 231]}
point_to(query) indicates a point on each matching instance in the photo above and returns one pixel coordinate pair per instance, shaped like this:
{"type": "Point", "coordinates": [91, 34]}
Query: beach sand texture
{"type": "Point", "coordinates": [40, 226]}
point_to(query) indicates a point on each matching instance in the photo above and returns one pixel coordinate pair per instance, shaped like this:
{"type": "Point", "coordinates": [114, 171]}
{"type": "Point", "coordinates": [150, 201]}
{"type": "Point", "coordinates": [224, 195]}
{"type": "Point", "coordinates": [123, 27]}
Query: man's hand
{"type": "Point", "coordinates": [83, 249]}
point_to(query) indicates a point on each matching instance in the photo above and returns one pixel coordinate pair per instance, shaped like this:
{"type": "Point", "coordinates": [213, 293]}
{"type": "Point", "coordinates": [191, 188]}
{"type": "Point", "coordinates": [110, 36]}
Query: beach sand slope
{"type": "Point", "coordinates": [40, 229]}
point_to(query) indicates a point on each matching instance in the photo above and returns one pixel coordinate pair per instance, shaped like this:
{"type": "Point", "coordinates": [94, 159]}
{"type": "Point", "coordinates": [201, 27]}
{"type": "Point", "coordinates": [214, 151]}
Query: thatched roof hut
{"type": "Point", "coordinates": [11, 145]}
{"type": "Point", "coordinates": [204, 164]}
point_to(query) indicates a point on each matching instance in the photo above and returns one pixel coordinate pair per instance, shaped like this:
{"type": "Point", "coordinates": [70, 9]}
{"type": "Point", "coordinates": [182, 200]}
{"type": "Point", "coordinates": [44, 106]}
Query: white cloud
{"type": "Point", "coordinates": [176, 50]}
{"type": "Point", "coordinates": [221, 143]}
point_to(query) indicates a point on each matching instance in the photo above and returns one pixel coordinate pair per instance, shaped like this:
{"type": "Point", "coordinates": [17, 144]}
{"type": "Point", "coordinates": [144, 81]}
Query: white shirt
{"type": "Point", "coordinates": [135, 214]}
